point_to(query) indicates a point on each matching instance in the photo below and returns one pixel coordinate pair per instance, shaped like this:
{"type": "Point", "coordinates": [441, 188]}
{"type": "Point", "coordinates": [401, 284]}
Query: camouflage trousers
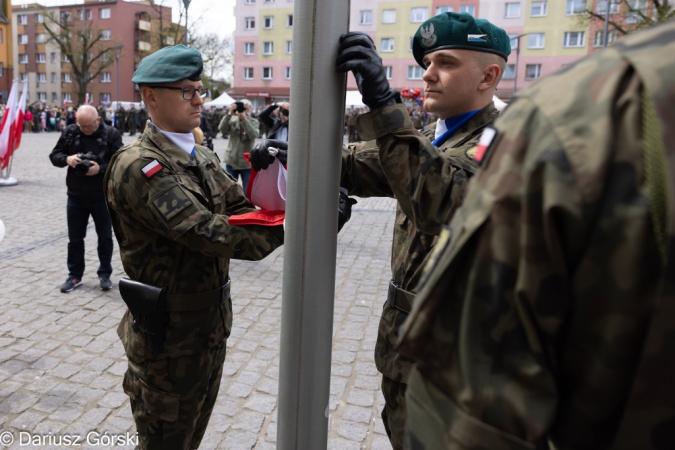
{"type": "Point", "coordinates": [174, 418]}
{"type": "Point", "coordinates": [394, 411]}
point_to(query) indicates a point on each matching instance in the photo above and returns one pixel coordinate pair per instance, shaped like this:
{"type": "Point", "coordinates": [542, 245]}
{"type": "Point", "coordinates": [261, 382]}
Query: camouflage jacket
{"type": "Point", "coordinates": [533, 313]}
{"type": "Point", "coordinates": [402, 158]}
{"type": "Point", "coordinates": [242, 136]}
{"type": "Point", "coordinates": [172, 228]}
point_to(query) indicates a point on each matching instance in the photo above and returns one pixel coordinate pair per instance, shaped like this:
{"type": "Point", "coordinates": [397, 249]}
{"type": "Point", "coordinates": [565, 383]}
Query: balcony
{"type": "Point", "coordinates": [144, 25]}
{"type": "Point", "coordinates": [144, 46]}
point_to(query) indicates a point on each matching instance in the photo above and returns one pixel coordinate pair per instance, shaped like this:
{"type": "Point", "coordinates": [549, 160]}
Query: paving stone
{"type": "Point", "coordinates": [238, 440]}
{"type": "Point", "coordinates": [261, 403]}
{"type": "Point", "coordinates": [18, 402]}
{"type": "Point", "coordinates": [367, 382]}
{"type": "Point", "coordinates": [360, 398]}
{"type": "Point", "coordinates": [27, 421]}
{"type": "Point", "coordinates": [249, 421]}
{"type": "Point", "coordinates": [240, 390]}
{"type": "Point", "coordinates": [357, 414]}
{"type": "Point", "coordinates": [380, 443]}
{"type": "Point", "coordinates": [336, 444]}
{"type": "Point", "coordinates": [353, 431]}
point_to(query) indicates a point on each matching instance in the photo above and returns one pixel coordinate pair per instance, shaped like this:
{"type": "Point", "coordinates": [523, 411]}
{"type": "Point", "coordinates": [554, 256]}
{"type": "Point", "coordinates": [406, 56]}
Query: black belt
{"type": "Point", "coordinates": [190, 302]}
{"type": "Point", "coordinates": [400, 298]}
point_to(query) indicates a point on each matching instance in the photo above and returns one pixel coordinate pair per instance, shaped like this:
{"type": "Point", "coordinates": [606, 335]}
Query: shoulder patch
{"type": "Point", "coordinates": [171, 202]}
{"type": "Point", "coordinates": [471, 152]}
{"type": "Point", "coordinates": [152, 168]}
{"type": "Point", "coordinates": [485, 140]}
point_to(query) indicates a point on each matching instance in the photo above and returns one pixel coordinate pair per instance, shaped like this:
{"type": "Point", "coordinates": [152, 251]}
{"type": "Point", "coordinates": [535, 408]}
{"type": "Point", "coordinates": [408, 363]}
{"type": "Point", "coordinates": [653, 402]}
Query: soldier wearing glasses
{"type": "Point", "coordinates": [170, 201]}
{"type": "Point", "coordinates": [86, 148]}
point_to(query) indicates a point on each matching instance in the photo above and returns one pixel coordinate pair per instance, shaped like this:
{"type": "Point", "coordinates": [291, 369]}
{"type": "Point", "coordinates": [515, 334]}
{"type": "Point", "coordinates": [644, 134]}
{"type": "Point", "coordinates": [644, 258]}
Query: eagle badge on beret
{"type": "Point", "coordinates": [428, 36]}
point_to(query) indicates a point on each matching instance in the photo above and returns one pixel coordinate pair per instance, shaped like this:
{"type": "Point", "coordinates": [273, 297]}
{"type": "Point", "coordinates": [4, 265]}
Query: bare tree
{"type": "Point", "coordinates": [170, 33]}
{"type": "Point", "coordinates": [216, 52]}
{"type": "Point", "coordinates": [632, 15]}
{"type": "Point", "coordinates": [82, 45]}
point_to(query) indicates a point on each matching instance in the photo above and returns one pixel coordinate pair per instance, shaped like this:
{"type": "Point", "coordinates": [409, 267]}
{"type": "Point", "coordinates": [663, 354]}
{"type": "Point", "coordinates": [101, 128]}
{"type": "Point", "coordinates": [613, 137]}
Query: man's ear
{"type": "Point", "coordinates": [149, 96]}
{"type": "Point", "coordinates": [491, 76]}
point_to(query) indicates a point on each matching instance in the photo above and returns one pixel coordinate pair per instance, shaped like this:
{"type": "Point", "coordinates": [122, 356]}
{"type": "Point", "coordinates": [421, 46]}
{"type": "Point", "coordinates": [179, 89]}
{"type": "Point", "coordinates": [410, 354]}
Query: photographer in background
{"type": "Point", "coordinates": [86, 148]}
{"type": "Point", "coordinates": [277, 126]}
{"type": "Point", "coordinates": [242, 130]}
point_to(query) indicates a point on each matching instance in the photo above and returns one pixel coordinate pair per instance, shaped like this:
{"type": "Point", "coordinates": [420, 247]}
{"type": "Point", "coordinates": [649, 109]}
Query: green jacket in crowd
{"type": "Point", "coordinates": [242, 136]}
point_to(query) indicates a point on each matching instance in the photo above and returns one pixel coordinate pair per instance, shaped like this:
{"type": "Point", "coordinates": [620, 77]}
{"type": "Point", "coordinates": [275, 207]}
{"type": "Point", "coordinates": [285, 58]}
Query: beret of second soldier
{"type": "Point", "coordinates": [169, 65]}
{"type": "Point", "coordinates": [459, 30]}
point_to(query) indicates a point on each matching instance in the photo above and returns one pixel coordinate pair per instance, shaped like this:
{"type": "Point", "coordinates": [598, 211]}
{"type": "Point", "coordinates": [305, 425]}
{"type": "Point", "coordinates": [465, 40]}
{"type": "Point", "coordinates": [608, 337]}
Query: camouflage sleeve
{"type": "Point", "coordinates": [536, 307]}
{"type": "Point", "coordinates": [361, 172]}
{"type": "Point", "coordinates": [428, 185]}
{"type": "Point", "coordinates": [169, 204]}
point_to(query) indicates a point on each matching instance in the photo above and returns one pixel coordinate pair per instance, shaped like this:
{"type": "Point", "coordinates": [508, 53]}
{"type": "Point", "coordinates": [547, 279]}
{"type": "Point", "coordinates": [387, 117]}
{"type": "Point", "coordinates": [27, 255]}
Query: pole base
{"type": "Point", "coordinates": [9, 181]}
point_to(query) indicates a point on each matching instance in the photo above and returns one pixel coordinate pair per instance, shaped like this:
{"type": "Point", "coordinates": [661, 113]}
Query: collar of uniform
{"type": "Point", "coordinates": [477, 122]}
{"type": "Point", "coordinates": [165, 144]}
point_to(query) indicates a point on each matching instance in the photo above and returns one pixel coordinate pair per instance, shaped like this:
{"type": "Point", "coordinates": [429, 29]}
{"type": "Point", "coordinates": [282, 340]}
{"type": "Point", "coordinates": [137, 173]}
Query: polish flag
{"type": "Point", "coordinates": [18, 123]}
{"type": "Point", "coordinates": [8, 127]}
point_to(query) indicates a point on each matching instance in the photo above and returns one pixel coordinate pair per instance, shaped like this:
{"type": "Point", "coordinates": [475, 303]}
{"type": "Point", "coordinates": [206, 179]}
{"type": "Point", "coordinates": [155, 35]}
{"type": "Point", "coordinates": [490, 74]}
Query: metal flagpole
{"type": "Point", "coordinates": [317, 114]}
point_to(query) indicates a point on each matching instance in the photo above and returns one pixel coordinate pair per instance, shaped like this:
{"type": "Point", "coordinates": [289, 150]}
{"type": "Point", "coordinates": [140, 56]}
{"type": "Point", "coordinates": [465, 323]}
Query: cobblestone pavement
{"type": "Point", "coordinates": [61, 362]}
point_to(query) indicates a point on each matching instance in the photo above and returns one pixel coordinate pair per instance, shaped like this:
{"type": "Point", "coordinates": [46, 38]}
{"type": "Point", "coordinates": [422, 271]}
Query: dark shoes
{"type": "Point", "coordinates": [106, 284]}
{"type": "Point", "coordinates": [70, 284]}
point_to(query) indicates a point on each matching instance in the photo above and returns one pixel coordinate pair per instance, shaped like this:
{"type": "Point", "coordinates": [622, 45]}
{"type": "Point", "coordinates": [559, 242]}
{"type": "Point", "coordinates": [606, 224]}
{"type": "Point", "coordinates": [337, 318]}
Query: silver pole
{"type": "Point", "coordinates": [607, 12]}
{"type": "Point", "coordinates": [317, 114]}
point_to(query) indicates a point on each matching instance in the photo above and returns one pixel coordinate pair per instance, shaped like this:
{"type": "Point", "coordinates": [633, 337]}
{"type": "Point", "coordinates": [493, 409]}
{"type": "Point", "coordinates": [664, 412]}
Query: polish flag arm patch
{"type": "Point", "coordinates": [485, 140]}
{"type": "Point", "coordinates": [152, 168]}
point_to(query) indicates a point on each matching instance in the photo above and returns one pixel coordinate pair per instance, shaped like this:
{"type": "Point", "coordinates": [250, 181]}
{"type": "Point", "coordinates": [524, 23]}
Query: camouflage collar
{"type": "Point", "coordinates": [469, 129]}
{"type": "Point", "coordinates": [167, 147]}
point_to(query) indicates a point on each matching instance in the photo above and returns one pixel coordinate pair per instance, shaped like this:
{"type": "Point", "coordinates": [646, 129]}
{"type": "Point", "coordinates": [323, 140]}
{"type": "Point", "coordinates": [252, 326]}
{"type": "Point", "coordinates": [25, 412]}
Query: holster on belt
{"type": "Point", "coordinates": [400, 298]}
{"type": "Point", "coordinates": [146, 304]}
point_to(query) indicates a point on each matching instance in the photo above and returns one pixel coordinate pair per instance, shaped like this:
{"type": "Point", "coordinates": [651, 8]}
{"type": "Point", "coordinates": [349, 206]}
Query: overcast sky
{"type": "Point", "coordinates": [217, 15]}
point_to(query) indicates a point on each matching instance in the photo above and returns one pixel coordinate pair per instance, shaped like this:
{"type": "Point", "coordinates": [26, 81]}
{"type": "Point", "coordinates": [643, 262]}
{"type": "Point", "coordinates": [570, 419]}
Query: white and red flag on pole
{"type": "Point", "coordinates": [18, 123]}
{"type": "Point", "coordinates": [8, 126]}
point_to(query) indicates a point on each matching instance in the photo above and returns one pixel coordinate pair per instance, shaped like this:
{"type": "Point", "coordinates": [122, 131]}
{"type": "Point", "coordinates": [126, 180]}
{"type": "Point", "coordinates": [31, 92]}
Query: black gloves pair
{"type": "Point", "coordinates": [357, 53]}
{"type": "Point", "coordinates": [261, 158]}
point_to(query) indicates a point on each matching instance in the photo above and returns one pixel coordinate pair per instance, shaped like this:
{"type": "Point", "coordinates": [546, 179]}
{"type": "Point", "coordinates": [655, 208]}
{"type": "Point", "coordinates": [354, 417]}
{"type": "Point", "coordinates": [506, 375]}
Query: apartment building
{"type": "Point", "coordinates": [130, 27]}
{"type": "Point", "coordinates": [6, 59]}
{"type": "Point", "coordinates": [545, 36]}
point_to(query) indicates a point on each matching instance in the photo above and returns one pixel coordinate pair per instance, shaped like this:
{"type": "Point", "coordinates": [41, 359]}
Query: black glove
{"type": "Point", "coordinates": [344, 210]}
{"type": "Point", "coordinates": [357, 53]}
{"type": "Point", "coordinates": [260, 156]}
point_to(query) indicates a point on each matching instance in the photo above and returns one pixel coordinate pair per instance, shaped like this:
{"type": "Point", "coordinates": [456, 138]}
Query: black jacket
{"type": "Point", "coordinates": [274, 125]}
{"type": "Point", "coordinates": [103, 143]}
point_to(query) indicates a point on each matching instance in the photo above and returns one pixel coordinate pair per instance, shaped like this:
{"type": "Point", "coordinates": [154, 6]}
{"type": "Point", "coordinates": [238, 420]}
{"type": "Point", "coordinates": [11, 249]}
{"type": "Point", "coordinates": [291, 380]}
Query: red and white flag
{"type": "Point", "coordinates": [18, 123]}
{"type": "Point", "coordinates": [8, 128]}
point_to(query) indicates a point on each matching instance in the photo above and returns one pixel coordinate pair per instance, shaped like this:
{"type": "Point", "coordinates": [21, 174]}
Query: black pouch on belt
{"type": "Point", "coordinates": [146, 304]}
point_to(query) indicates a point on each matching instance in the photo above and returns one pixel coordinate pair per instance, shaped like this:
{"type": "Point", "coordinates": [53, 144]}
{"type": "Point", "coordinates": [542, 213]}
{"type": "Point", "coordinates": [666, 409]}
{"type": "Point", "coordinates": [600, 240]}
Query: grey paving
{"type": "Point", "coordinates": [61, 363]}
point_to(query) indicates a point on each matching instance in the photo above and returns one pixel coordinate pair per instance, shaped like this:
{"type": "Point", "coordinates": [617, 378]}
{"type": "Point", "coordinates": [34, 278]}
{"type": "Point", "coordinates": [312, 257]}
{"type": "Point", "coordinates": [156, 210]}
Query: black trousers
{"type": "Point", "coordinates": [78, 210]}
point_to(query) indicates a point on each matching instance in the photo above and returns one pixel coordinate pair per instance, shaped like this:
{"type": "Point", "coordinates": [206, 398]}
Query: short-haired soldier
{"type": "Point", "coordinates": [169, 201]}
{"type": "Point", "coordinates": [426, 171]}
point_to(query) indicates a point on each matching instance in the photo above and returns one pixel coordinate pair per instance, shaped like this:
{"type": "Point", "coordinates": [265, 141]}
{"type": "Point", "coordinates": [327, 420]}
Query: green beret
{"type": "Point", "coordinates": [169, 65]}
{"type": "Point", "coordinates": [459, 30]}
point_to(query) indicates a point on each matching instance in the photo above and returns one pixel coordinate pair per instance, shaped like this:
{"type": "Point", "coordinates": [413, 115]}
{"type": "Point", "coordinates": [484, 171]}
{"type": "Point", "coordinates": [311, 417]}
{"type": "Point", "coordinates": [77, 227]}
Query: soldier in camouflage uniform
{"type": "Point", "coordinates": [169, 201]}
{"type": "Point", "coordinates": [434, 164]}
{"type": "Point", "coordinates": [132, 117]}
{"type": "Point", "coordinates": [142, 117]}
{"type": "Point", "coordinates": [545, 315]}
{"type": "Point", "coordinates": [121, 119]}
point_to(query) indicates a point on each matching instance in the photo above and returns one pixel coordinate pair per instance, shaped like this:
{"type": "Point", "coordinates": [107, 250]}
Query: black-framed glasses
{"type": "Point", "coordinates": [188, 92]}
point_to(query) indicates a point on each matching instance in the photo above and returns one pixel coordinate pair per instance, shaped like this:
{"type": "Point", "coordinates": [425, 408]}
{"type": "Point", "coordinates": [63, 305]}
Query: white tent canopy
{"type": "Point", "coordinates": [220, 102]}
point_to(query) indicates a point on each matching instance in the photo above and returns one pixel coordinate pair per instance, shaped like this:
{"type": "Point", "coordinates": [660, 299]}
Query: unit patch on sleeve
{"type": "Point", "coordinates": [152, 168]}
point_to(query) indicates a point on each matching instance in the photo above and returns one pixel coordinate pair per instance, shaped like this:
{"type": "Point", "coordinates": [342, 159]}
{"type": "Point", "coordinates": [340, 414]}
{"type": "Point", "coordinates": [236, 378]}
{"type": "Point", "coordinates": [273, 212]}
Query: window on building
{"type": "Point", "coordinates": [366, 17]}
{"type": "Point", "coordinates": [249, 23]}
{"type": "Point", "coordinates": [419, 14]}
{"type": "Point", "coordinates": [444, 9]}
{"type": "Point", "coordinates": [104, 13]}
{"type": "Point", "coordinates": [42, 96]}
{"type": "Point", "coordinates": [41, 58]}
{"type": "Point", "coordinates": [248, 73]}
{"type": "Point", "coordinates": [268, 22]}
{"type": "Point", "coordinates": [289, 47]}
{"type": "Point", "coordinates": [410, 44]}
{"type": "Point", "coordinates": [509, 72]}
{"type": "Point", "coordinates": [268, 48]}
{"type": "Point", "coordinates": [53, 97]}
{"type": "Point", "coordinates": [415, 72]}
{"type": "Point", "coordinates": [66, 16]}
{"type": "Point", "coordinates": [268, 1]}
{"type": "Point", "coordinates": [65, 59]}
{"type": "Point", "coordinates": [42, 77]}
{"type": "Point", "coordinates": [41, 38]}
{"type": "Point", "coordinates": [23, 59]}
{"type": "Point", "coordinates": [535, 40]}
{"type": "Point", "coordinates": [249, 2]}
{"type": "Point", "coordinates": [1, 36]}
{"type": "Point", "coordinates": [573, 39]}
{"type": "Point", "coordinates": [105, 56]}
{"type": "Point", "coordinates": [22, 19]}
{"type": "Point", "coordinates": [599, 40]}
{"type": "Point", "coordinates": [105, 77]}
{"type": "Point", "coordinates": [89, 14]}
{"type": "Point", "coordinates": [287, 73]}
{"type": "Point", "coordinates": [52, 57]}
{"type": "Point", "coordinates": [23, 39]}
{"type": "Point", "coordinates": [1, 67]}
{"type": "Point", "coordinates": [532, 71]}
{"type": "Point", "coordinates": [514, 41]}
{"type": "Point", "coordinates": [106, 35]}
{"type": "Point", "coordinates": [634, 6]}
{"type": "Point", "coordinates": [388, 16]}
{"type": "Point", "coordinates": [80, 14]}
{"type": "Point", "coordinates": [387, 45]}
{"type": "Point", "coordinates": [388, 71]}
{"type": "Point", "coordinates": [601, 7]}
{"type": "Point", "coordinates": [267, 73]}
{"type": "Point", "coordinates": [512, 10]}
{"type": "Point", "coordinates": [289, 20]}
{"type": "Point", "coordinates": [67, 97]}
{"type": "Point", "coordinates": [469, 9]}
{"type": "Point", "coordinates": [249, 48]}
{"type": "Point", "coordinates": [66, 78]}
{"type": "Point", "coordinates": [39, 18]}
{"type": "Point", "coordinates": [575, 7]}
{"type": "Point", "coordinates": [53, 77]}
{"type": "Point", "coordinates": [23, 76]}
